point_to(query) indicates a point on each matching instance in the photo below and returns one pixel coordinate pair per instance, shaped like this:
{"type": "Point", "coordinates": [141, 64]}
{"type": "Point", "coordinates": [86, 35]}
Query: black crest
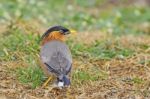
{"type": "Point", "coordinates": [54, 28]}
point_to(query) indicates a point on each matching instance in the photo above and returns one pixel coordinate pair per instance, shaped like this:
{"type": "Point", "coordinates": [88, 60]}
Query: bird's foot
{"type": "Point", "coordinates": [47, 81]}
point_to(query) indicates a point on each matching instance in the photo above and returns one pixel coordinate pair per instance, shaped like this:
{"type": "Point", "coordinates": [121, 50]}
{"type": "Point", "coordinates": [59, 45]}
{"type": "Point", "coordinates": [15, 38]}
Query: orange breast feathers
{"type": "Point", "coordinates": [53, 36]}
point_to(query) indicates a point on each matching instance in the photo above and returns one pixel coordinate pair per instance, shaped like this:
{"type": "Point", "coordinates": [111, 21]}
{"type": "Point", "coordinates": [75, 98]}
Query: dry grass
{"type": "Point", "coordinates": [119, 77]}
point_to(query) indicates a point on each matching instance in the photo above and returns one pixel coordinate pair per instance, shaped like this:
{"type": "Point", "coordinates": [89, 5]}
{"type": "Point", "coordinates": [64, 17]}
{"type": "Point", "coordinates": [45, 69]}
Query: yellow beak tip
{"type": "Point", "coordinates": [73, 31]}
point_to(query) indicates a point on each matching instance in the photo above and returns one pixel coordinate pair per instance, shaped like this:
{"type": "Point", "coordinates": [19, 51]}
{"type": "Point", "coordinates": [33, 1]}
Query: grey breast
{"type": "Point", "coordinates": [57, 56]}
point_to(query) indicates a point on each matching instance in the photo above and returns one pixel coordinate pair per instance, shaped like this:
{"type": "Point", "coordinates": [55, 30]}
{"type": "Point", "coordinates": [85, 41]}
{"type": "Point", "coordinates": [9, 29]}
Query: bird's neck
{"type": "Point", "coordinates": [53, 36]}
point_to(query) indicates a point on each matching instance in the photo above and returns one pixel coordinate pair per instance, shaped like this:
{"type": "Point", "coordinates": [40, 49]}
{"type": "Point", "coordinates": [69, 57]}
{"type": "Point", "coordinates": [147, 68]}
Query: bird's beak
{"type": "Point", "coordinates": [72, 31]}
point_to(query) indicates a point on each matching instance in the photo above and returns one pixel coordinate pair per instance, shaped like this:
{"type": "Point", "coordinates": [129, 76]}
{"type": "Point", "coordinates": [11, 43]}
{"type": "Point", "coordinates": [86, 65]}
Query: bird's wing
{"type": "Point", "coordinates": [57, 57]}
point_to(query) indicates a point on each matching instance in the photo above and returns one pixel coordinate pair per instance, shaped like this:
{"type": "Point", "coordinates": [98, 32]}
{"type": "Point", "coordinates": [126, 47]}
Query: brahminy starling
{"type": "Point", "coordinates": [55, 55]}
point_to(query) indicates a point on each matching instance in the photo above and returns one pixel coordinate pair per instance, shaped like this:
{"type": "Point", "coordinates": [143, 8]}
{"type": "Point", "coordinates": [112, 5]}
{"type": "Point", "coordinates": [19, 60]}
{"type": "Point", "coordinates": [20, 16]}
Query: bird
{"type": "Point", "coordinates": [55, 55]}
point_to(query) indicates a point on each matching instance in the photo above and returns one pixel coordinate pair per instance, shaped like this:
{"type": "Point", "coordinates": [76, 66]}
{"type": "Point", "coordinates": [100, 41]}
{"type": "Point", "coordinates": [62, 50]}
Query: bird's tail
{"type": "Point", "coordinates": [65, 81]}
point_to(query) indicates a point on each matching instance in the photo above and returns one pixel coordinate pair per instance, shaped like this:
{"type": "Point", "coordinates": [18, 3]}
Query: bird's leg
{"type": "Point", "coordinates": [47, 81]}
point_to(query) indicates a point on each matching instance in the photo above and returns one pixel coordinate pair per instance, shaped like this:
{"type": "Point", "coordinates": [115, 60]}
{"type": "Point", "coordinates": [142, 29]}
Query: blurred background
{"type": "Point", "coordinates": [113, 16]}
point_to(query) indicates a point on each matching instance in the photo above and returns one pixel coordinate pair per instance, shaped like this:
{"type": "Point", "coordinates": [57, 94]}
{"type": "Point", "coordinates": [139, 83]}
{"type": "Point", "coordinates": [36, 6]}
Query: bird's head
{"type": "Point", "coordinates": [59, 29]}
{"type": "Point", "coordinates": [56, 33]}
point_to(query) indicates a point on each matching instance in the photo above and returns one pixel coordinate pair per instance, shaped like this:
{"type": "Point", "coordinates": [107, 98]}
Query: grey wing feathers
{"type": "Point", "coordinates": [56, 55]}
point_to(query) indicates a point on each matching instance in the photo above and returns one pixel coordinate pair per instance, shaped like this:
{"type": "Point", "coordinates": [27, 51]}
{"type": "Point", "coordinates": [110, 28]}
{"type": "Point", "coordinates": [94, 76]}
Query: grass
{"type": "Point", "coordinates": [20, 46]}
{"type": "Point", "coordinates": [137, 80]}
{"type": "Point", "coordinates": [102, 50]}
{"type": "Point", "coordinates": [17, 45]}
{"type": "Point", "coordinates": [80, 77]}
{"type": "Point", "coordinates": [16, 42]}
{"type": "Point", "coordinates": [32, 76]}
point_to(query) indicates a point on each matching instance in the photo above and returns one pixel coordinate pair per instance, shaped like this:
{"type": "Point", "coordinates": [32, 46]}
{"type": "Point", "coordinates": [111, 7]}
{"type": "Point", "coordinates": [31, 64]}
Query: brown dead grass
{"type": "Point", "coordinates": [118, 85]}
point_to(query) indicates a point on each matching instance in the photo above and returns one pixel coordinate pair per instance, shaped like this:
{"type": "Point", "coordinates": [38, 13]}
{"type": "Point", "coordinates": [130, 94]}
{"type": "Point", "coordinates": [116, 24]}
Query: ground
{"type": "Point", "coordinates": [111, 50]}
{"type": "Point", "coordinates": [122, 77]}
